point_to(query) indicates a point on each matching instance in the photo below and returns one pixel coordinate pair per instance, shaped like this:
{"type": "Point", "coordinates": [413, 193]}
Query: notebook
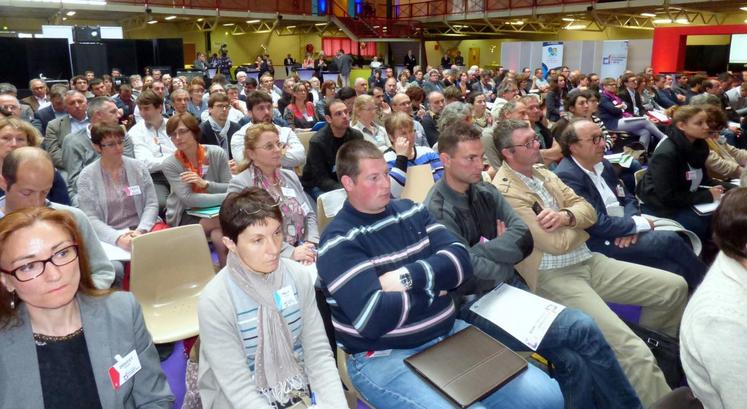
{"type": "Point", "coordinates": [467, 366]}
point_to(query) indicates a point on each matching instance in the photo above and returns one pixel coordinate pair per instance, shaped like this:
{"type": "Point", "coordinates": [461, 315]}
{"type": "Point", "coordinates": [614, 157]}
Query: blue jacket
{"type": "Point", "coordinates": [607, 227]}
{"type": "Point", "coordinates": [608, 112]}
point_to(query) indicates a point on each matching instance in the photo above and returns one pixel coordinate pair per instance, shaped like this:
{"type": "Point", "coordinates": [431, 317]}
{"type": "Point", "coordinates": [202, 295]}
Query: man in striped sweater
{"type": "Point", "coordinates": [385, 268]}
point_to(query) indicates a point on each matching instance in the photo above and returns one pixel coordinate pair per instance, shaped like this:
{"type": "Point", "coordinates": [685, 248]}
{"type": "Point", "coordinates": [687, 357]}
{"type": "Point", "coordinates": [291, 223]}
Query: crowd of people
{"type": "Point", "coordinates": [552, 182]}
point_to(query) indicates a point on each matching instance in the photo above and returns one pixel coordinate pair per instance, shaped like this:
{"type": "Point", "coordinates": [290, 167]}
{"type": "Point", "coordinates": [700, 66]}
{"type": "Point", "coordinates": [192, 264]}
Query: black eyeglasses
{"type": "Point", "coordinates": [594, 139]}
{"type": "Point", "coordinates": [33, 269]}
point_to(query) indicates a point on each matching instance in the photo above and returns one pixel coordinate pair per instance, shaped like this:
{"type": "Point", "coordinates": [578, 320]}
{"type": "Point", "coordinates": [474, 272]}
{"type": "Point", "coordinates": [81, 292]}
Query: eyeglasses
{"type": "Point", "coordinates": [248, 212]}
{"type": "Point", "coordinates": [528, 145]}
{"type": "Point", "coordinates": [272, 145]}
{"type": "Point", "coordinates": [30, 271]}
{"type": "Point", "coordinates": [594, 139]}
{"type": "Point", "coordinates": [221, 106]}
{"type": "Point", "coordinates": [118, 142]}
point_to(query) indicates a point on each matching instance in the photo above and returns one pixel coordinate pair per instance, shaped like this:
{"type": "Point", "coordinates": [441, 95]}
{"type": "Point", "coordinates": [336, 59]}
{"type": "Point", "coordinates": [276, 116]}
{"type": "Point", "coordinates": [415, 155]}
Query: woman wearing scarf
{"type": "Point", "coordinates": [612, 113]}
{"type": "Point", "coordinates": [198, 176]}
{"type": "Point", "coordinates": [263, 152]}
{"type": "Point", "coordinates": [300, 113]}
{"type": "Point", "coordinates": [263, 343]}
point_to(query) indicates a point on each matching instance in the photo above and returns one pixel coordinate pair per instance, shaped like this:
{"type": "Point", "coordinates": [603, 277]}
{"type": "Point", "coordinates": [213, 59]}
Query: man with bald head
{"type": "Point", "coordinates": [57, 129]}
{"type": "Point", "coordinates": [360, 86]}
{"type": "Point", "coordinates": [27, 176]}
{"type": "Point", "coordinates": [436, 103]}
{"type": "Point", "coordinates": [38, 98]}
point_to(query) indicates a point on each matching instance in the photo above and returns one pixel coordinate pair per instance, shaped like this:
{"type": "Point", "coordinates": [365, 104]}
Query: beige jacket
{"type": "Point", "coordinates": [724, 161]}
{"type": "Point", "coordinates": [558, 242]}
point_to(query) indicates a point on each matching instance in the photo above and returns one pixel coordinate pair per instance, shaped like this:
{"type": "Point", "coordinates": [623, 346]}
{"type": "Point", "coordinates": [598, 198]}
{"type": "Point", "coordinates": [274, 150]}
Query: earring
{"type": "Point", "coordinates": [13, 300]}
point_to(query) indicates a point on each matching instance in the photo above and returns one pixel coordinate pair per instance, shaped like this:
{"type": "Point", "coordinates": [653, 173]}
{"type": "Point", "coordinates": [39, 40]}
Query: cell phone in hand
{"type": "Point", "coordinates": [536, 208]}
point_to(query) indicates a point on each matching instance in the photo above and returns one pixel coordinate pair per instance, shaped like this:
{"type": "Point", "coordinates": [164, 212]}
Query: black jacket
{"type": "Point", "coordinates": [319, 170]}
{"type": "Point", "coordinates": [625, 96]}
{"type": "Point", "coordinates": [665, 186]}
{"type": "Point", "coordinates": [210, 138]}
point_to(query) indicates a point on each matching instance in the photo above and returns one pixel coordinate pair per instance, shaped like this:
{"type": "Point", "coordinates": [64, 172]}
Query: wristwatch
{"type": "Point", "coordinates": [406, 279]}
{"type": "Point", "coordinates": [571, 217]}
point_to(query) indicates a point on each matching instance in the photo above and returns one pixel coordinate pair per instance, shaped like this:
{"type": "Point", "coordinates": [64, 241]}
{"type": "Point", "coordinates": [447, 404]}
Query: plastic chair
{"type": "Point", "coordinates": [169, 269]}
{"type": "Point", "coordinates": [418, 183]}
{"type": "Point", "coordinates": [351, 393]}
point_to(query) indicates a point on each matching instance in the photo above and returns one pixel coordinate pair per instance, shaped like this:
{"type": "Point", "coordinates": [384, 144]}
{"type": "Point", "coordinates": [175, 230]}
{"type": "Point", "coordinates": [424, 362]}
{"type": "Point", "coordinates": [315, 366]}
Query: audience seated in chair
{"type": "Point", "coordinates": [385, 268]}
{"type": "Point", "coordinates": [27, 176]}
{"type": "Point", "coordinates": [198, 175]}
{"type": "Point", "coordinates": [263, 152]}
{"type": "Point", "coordinates": [497, 238]}
{"type": "Point", "coordinates": [563, 269]}
{"type": "Point", "coordinates": [620, 231]}
{"type": "Point", "coordinates": [74, 329]}
{"type": "Point", "coordinates": [116, 192]}
{"type": "Point", "coordinates": [252, 340]}
{"type": "Point", "coordinates": [714, 320]}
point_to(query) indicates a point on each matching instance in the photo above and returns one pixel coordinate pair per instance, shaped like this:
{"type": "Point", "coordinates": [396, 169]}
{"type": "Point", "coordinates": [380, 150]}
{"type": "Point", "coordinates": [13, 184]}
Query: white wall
{"type": "Point", "coordinates": [583, 55]}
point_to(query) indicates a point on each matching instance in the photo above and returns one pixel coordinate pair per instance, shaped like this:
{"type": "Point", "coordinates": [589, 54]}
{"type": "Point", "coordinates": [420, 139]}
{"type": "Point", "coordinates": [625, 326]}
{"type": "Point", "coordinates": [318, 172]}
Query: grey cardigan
{"type": "Point", "coordinates": [113, 325]}
{"type": "Point", "coordinates": [225, 380]}
{"type": "Point", "coordinates": [288, 179]}
{"type": "Point", "coordinates": [92, 198]}
{"type": "Point", "coordinates": [182, 198]}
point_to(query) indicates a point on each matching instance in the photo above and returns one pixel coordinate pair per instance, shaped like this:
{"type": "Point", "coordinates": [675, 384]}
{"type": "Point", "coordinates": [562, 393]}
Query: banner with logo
{"type": "Point", "coordinates": [614, 58]}
{"type": "Point", "coordinates": [552, 56]}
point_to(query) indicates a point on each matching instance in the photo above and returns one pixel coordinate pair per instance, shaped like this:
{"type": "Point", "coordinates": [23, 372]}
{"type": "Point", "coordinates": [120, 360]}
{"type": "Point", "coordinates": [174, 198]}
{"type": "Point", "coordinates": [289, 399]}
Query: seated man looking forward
{"type": "Point", "coordinates": [563, 269]}
{"type": "Point", "coordinates": [385, 268]}
{"type": "Point", "coordinates": [585, 365]}
{"type": "Point", "coordinates": [620, 231]}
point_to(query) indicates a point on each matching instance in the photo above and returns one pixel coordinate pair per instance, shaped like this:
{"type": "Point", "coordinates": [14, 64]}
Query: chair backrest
{"type": "Point", "coordinates": [334, 200]}
{"type": "Point", "coordinates": [168, 270]}
{"type": "Point", "coordinates": [418, 183]}
{"type": "Point", "coordinates": [305, 137]}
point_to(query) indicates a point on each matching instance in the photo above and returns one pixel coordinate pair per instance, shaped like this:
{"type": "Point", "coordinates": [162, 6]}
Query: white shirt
{"type": "Point", "coordinates": [609, 198]}
{"type": "Point", "coordinates": [43, 102]}
{"type": "Point", "coordinates": [295, 155]}
{"type": "Point", "coordinates": [152, 145]}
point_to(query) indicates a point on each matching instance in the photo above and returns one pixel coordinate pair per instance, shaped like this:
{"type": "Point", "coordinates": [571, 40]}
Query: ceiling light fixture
{"type": "Point", "coordinates": [663, 21]}
{"type": "Point", "coordinates": [229, 24]}
{"type": "Point", "coordinates": [516, 23]}
{"type": "Point", "coordinates": [568, 19]}
{"type": "Point", "coordinates": [252, 21]}
{"type": "Point", "coordinates": [682, 21]}
{"type": "Point", "coordinates": [153, 22]}
{"type": "Point", "coordinates": [743, 8]}
{"type": "Point", "coordinates": [648, 14]}
{"type": "Point", "coordinates": [200, 19]}
{"type": "Point", "coordinates": [169, 18]}
{"type": "Point", "coordinates": [320, 24]}
{"type": "Point", "coordinates": [575, 27]}
{"type": "Point", "coordinates": [70, 13]}
{"type": "Point", "coordinates": [290, 27]}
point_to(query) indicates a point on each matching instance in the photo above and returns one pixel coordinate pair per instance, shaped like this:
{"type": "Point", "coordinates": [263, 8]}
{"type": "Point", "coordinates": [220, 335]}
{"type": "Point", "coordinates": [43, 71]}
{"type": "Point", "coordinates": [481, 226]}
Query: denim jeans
{"type": "Point", "coordinates": [386, 382]}
{"type": "Point", "coordinates": [585, 366]}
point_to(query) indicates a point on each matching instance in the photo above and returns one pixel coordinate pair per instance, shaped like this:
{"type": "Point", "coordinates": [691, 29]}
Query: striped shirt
{"type": "Point", "coordinates": [357, 248]}
{"type": "Point", "coordinates": [398, 166]}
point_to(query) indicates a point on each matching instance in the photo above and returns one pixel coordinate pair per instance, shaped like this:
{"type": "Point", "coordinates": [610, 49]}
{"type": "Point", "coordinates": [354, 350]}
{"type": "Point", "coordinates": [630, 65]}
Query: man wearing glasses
{"type": "Point", "coordinates": [620, 232]}
{"type": "Point", "coordinates": [27, 177]}
{"type": "Point", "coordinates": [218, 129]}
{"type": "Point", "coordinates": [320, 173]}
{"type": "Point", "coordinates": [562, 267]}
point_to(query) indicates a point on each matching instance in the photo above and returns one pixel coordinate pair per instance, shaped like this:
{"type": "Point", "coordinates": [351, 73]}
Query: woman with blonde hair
{"type": "Point", "coordinates": [263, 152]}
{"type": "Point", "coordinates": [364, 115]}
{"type": "Point", "coordinates": [16, 133]}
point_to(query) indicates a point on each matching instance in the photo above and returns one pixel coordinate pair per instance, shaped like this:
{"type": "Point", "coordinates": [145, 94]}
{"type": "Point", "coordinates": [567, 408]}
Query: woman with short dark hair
{"type": "Point", "coordinates": [263, 343]}
{"type": "Point", "coordinates": [198, 175]}
{"type": "Point", "coordinates": [116, 192]}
